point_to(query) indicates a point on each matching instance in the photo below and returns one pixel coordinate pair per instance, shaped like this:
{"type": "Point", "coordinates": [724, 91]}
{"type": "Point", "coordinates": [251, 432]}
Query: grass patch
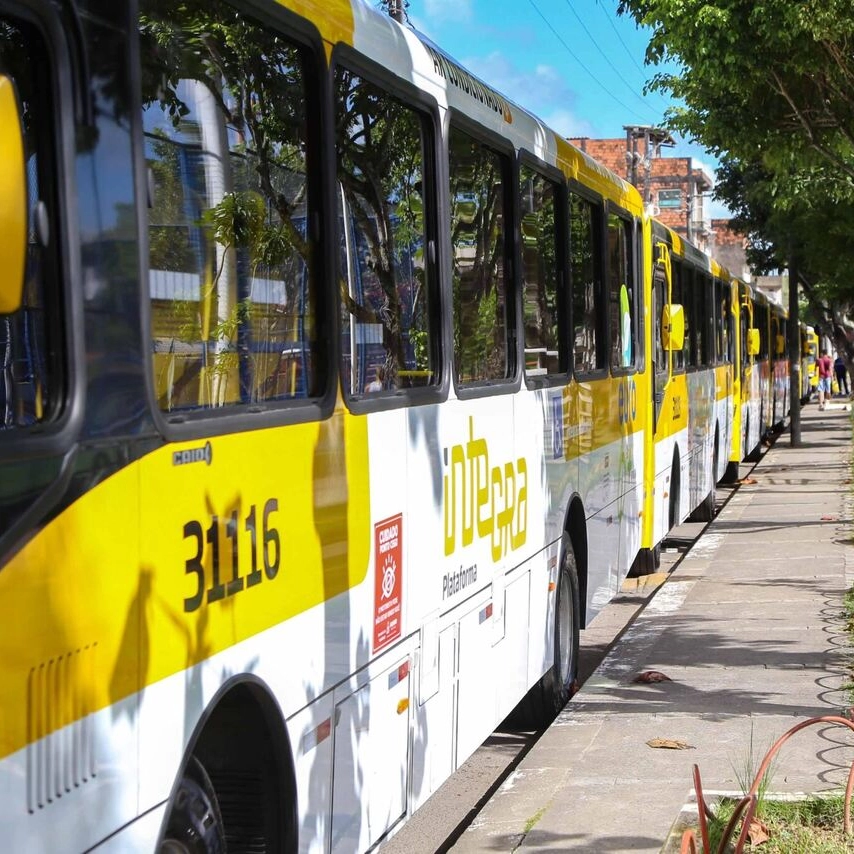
{"type": "Point", "coordinates": [810, 826]}
{"type": "Point", "coordinates": [532, 821]}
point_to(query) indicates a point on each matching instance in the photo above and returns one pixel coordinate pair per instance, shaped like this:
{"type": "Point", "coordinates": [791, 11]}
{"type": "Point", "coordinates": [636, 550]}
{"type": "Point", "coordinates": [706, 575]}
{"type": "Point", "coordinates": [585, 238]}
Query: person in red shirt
{"type": "Point", "coordinates": [825, 371]}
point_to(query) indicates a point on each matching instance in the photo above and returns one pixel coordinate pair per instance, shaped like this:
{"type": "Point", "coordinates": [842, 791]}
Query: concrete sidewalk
{"type": "Point", "coordinates": [750, 630]}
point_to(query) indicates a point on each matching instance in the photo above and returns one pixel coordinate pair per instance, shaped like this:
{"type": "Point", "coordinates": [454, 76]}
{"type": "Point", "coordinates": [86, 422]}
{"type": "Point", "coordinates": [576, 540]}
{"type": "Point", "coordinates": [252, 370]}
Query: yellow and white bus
{"type": "Point", "coordinates": [809, 354]}
{"type": "Point", "coordinates": [693, 349]}
{"type": "Point", "coordinates": [330, 415]}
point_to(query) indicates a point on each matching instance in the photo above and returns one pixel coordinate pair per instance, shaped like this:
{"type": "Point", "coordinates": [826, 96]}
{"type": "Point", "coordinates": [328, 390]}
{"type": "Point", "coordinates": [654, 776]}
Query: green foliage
{"type": "Point", "coordinates": [766, 85]}
{"type": "Point", "coordinates": [812, 826]}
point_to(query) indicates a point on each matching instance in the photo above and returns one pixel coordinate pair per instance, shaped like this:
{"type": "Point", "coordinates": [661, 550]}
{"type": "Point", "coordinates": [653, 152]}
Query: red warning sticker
{"type": "Point", "coordinates": [388, 580]}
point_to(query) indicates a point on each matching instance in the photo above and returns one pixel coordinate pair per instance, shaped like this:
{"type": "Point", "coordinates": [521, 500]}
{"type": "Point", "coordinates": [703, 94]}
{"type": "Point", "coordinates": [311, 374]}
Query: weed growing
{"type": "Point", "coordinates": [810, 826]}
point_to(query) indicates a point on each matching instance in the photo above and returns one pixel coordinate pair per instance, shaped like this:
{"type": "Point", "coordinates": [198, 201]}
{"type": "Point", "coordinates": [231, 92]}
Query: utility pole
{"type": "Point", "coordinates": [397, 9]}
{"type": "Point", "coordinates": [794, 353]}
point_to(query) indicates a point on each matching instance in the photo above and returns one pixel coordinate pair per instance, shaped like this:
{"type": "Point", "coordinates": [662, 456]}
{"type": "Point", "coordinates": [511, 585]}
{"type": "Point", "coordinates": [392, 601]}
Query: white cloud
{"type": "Point", "coordinates": [442, 11]}
{"type": "Point", "coordinates": [565, 123]}
{"type": "Point", "coordinates": [543, 91]}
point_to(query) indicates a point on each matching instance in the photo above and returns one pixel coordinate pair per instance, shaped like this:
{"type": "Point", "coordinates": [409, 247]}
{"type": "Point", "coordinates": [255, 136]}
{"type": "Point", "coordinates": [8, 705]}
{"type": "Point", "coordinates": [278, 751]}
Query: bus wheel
{"type": "Point", "coordinates": [673, 505]}
{"type": "Point", "coordinates": [547, 697]}
{"type": "Point", "coordinates": [646, 562]}
{"type": "Point", "coordinates": [705, 512]}
{"type": "Point", "coordinates": [195, 824]}
{"type": "Point", "coordinates": [730, 473]}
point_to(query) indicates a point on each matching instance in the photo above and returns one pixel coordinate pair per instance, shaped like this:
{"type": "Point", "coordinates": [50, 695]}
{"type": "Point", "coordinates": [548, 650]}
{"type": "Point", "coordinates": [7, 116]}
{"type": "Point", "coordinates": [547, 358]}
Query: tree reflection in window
{"type": "Point", "coordinates": [385, 311]}
{"type": "Point", "coordinates": [478, 248]}
{"type": "Point", "coordinates": [541, 306]}
{"type": "Point", "coordinates": [620, 293]}
{"type": "Point", "coordinates": [231, 277]}
{"type": "Point", "coordinates": [31, 375]}
{"type": "Point", "coordinates": [586, 278]}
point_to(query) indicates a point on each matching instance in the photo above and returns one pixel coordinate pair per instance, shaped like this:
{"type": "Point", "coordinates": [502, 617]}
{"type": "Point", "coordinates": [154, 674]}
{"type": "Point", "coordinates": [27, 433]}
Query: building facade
{"type": "Point", "coordinates": [674, 188]}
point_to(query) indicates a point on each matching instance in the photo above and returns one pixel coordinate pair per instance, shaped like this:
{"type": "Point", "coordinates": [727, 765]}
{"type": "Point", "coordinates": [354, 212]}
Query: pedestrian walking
{"type": "Point", "coordinates": [824, 364]}
{"type": "Point", "coordinates": [841, 374]}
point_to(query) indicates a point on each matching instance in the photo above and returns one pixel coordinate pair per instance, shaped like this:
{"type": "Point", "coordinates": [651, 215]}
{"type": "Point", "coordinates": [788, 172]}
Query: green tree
{"type": "Point", "coordinates": [766, 85]}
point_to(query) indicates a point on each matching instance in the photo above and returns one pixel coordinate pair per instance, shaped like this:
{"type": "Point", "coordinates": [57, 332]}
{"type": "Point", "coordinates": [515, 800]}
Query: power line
{"type": "Point", "coordinates": [610, 20]}
{"type": "Point", "coordinates": [589, 73]}
{"type": "Point", "coordinates": [605, 55]}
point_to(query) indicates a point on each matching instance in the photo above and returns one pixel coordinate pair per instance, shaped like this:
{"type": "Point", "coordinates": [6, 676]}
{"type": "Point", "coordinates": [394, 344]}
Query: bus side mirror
{"type": "Point", "coordinates": [13, 200]}
{"type": "Point", "coordinates": [753, 342]}
{"type": "Point", "coordinates": [672, 327]}
{"type": "Point", "coordinates": [781, 345]}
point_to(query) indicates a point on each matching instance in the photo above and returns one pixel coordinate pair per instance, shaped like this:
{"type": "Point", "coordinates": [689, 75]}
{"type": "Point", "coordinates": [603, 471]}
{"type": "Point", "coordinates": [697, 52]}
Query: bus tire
{"type": "Point", "coordinates": [731, 473]}
{"type": "Point", "coordinates": [705, 511]}
{"type": "Point", "coordinates": [539, 707]}
{"type": "Point", "coordinates": [673, 505]}
{"type": "Point", "coordinates": [646, 562]}
{"type": "Point", "coordinates": [195, 824]}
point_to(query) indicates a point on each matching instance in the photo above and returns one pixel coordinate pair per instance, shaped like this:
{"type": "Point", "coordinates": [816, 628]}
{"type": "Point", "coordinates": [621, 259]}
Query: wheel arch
{"type": "Point", "coordinates": [243, 724]}
{"type": "Point", "coordinates": [675, 497]}
{"type": "Point", "coordinates": [576, 526]}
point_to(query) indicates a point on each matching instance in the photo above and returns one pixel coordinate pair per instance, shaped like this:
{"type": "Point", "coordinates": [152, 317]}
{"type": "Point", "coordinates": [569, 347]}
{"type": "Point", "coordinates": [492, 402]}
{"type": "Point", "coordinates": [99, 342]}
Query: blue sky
{"type": "Point", "coordinates": [575, 63]}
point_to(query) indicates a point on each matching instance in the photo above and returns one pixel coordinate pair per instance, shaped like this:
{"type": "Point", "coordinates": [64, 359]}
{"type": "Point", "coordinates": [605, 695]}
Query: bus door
{"type": "Point", "coordinates": [669, 327]}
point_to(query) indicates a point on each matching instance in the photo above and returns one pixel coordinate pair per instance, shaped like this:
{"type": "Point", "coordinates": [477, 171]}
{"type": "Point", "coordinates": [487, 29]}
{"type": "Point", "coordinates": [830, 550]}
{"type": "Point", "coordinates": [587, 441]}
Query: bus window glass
{"type": "Point", "coordinates": [693, 334]}
{"type": "Point", "coordinates": [704, 320]}
{"type": "Point", "coordinates": [231, 279]}
{"type": "Point", "coordinates": [541, 300]}
{"type": "Point", "coordinates": [729, 322]}
{"type": "Point", "coordinates": [31, 381]}
{"type": "Point", "coordinates": [761, 312]}
{"type": "Point", "coordinates": [680, 296]}
{"type": "Point", "coordinates": [386, 341]}
{"type": "Point", "coordinates": [659, 300]}
{"type": "Point", "coordinates": [620, 293]}
{"type": "Point", "coordinates": [478, 244]}
{"type": "Point", "coordinates": [586, 276]}
{"type": "Point", "coordinates": [719, 320]}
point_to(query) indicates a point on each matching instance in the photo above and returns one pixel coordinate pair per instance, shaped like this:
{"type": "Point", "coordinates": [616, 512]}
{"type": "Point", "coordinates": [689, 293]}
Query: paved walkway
{"type": "Point", "coordinates": [750, 630]}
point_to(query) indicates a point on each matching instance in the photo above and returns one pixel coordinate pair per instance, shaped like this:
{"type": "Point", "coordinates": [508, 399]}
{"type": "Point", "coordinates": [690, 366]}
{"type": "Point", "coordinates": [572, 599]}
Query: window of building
{"type": "Point", "coordinates": [669, 199]}
{"type": "Point", "coordinates": [542, 303]}
{"type": "Point", "coordinates": [585, 228]}
{"type": "Point", "coordinates": [479, 249]}
{"type": "Point", "coordinates": [232, 279]}
{"type": "Point", "coordinates": [32, 375]}
{"type": "Point", "coordinates": [621, 293]}
{"type": "Point", "coordinates": [387, 341]}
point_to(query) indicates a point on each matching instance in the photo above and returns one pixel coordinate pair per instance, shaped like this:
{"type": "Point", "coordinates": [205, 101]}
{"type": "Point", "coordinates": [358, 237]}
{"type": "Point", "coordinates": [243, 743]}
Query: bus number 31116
{"type": "Point", "coordinates": [270, 547]}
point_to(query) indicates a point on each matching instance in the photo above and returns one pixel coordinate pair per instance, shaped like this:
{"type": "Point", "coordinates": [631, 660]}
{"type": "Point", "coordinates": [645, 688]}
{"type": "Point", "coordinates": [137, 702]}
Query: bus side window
{"type": "Point", "coordinates": [32, 373]}
{"type": "Point", "coordinates": [481, 290]}
{"type": "Point", "coordinates": [542, 301]}
{"type": "Point", "coordinates": [621, 293]}
{"type": "Point", "coordinates": [680, 296]}
{"type": "Point", "coordinates": [233, 263]}
{"type": "Point", "coordinates": [586, 284]}
{"type": "Point", "coordinates": [387, 304]}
